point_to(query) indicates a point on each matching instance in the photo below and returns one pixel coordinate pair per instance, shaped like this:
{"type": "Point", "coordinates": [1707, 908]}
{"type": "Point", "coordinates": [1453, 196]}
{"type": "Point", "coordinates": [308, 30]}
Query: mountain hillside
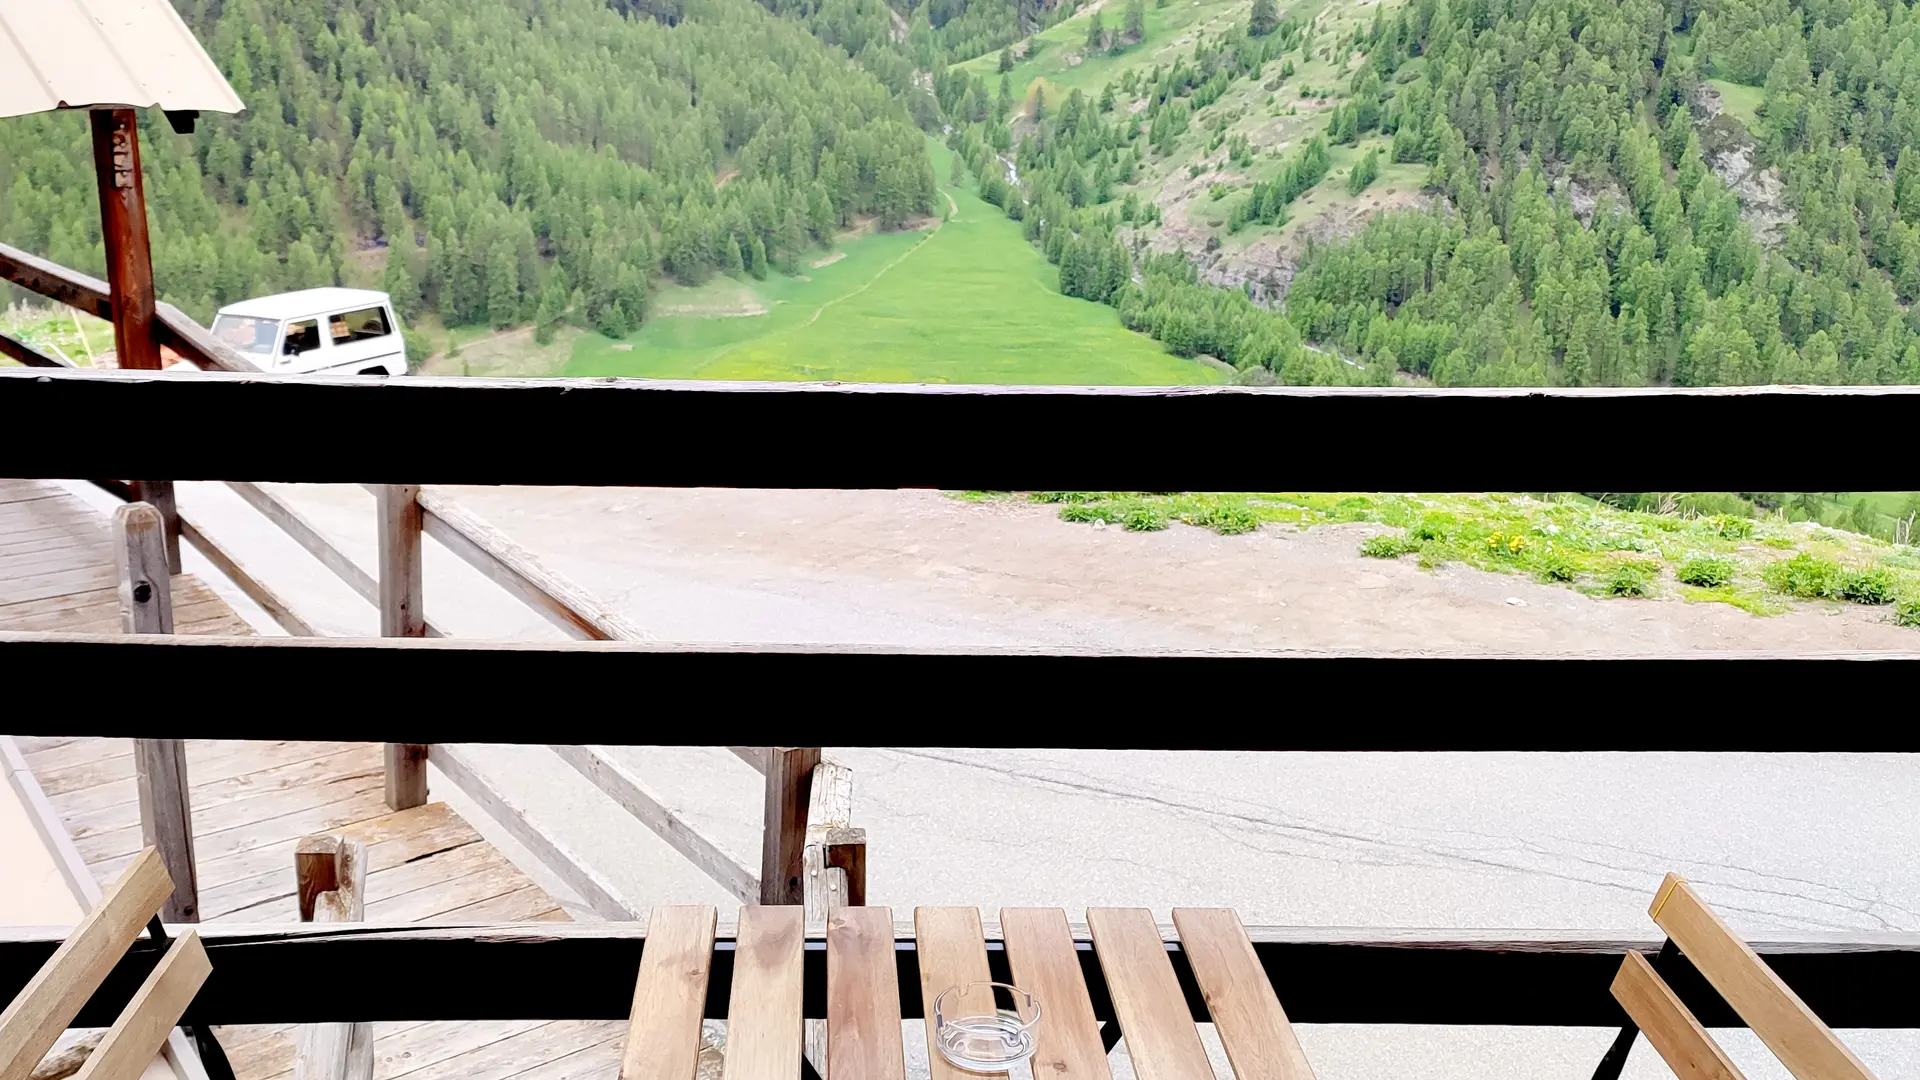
{"type": "Point", "coordinates": [1555, 192]}
{"type": "Point", "coordinates": [493, 163]}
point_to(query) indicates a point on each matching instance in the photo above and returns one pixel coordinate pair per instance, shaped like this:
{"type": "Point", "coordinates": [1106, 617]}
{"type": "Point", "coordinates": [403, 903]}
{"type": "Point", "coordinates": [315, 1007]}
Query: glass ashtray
{"type": "Point", "coordinates": [989, 1041]}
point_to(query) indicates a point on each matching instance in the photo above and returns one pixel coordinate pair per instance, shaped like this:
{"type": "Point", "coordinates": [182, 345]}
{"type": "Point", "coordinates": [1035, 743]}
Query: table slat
{"type": "Point", "coordinates": [1041, 952]}
{"type": "Point", "coordinates": [863, 997]}
{"type": "Point", "coordinates": [952, 950]}
{"type": "Point", "coordinates": [670, 996]}
{"type": "Point", "coordinates": [1246, 1012]}
{"type": "Point", "coordinates": [1161, 1039]}
{"type": "Point", "coordinates": [764, 1026]}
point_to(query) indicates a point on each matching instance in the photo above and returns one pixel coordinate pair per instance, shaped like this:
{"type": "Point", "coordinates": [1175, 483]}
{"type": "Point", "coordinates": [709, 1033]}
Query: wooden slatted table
{"type": "Point", "coordinates": [864, 1005]}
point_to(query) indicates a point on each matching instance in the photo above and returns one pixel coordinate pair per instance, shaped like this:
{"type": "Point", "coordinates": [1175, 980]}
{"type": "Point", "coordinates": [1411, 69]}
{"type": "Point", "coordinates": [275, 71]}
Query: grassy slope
{"type": "Point", "coordinates": [969, 302]}
{"type": "Point", "coordinates": [1740, 102]}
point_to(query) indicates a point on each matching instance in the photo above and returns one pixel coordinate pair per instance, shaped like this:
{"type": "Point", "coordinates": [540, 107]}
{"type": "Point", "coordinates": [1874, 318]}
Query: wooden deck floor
{"type": "Point", "coordinates": [252, 802]}
{"type": "Point", "coordinates": [56, 569]}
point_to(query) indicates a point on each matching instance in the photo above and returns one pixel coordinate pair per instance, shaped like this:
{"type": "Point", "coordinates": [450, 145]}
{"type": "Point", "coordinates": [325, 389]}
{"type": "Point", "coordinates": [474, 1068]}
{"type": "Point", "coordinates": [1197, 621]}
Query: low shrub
{"type": "Point", "coordinates": [1387, 546]}
{"type": "Point", "coordinates": [1067, 496]}
{"type": "Point", "coordinates": [1143, 519]}
{"type": "Point", "coordinates": [1873, 586]}
{"type": "Point", "coordinates": [1435, 527]}
{"type": "Point", "coordinates": [1630, 577]}
{"type": "Point", "coordinates": [1803, 575]}
{"type": "Point", "coordinates": [1085, 512]}
{"type": "Point", "coordinates": [1225, 520]}
{"type": "Point", "coordinates": [1553, 566]}
{"type": "Point", "coordinates": [1708, 573]}
{"type": "Point", "coordinates": [1731, 528]}
{"type": "Point", "coordinates": [1907, 613]}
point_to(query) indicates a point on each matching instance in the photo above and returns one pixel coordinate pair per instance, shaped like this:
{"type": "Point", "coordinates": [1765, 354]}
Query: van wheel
{"type": "Point", "coordinates": [375, 371]}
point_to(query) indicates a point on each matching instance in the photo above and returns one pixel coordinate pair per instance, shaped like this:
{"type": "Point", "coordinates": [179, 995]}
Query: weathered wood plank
{"type": "Point", "coordinates": [668, 434]}
{"type": "Point", "coordinates": [1668, 1024]}
{"type": "Point", "coordinates": [1259, 1040]}
{"type": "Point", "coordinates": [863, 996]}
{"type": "Point", "coordinates": [270, 817]}
{"type": "Point", "coordinates": [669, 996]}
{"type": "Point", "coordinates": [166, 820]}
{"type": "Point", "coordinates": [1805, 1045]}
{"type": "Point", "coordinates": [142, 1029]}
{"type": "Point", "coordinates": [398, 540]}
{"type": "Point", "coordinates": [952, 950]}
{"type": "Point", "coordinates": [1161, 1040]}
{"type": "Point", "coordinates": [789, 787]}
{"type": "Point", "coordinates": [223, 773]}
{"type": "Point", "coordinates": [471, 675]}
{"type": "Point", "coordinates": [765, 1022]}
{"type": "Point", "coordinates": [1041, 954]}
{"type": "Point", "coordinates": [625, 787]}
{"type": "Point", "coordinates": [48, 1002]}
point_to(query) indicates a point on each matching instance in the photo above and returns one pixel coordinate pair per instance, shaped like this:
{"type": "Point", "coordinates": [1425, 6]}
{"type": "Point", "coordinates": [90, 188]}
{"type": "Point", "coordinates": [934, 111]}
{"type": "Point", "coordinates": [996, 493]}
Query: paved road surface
{"type": "Point", "coordinates": [1497, 840]}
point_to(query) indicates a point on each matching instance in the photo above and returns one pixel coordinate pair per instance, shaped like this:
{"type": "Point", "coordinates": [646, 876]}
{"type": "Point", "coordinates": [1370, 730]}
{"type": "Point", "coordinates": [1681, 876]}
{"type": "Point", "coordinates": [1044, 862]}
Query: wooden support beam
{"type": "Point", "coordinates": [399, 519]}
{"type": "Point", "coordinates": [1668, 1024]}
{"type": "Point", "coordinates": [1805, 1045]}
{"type": "Point", "coordinates": [123, 227]}
{"type": "Point", "coordinates": [140, 559]}
{"type": "Point", "coordinates": [130, 1044]}
{"type": "Point", "coordinates": [789, 787]}
{"type": "Point", "coordinates": [331, 876]}
{"type": "Point", "coordinates": [48, 1003]}
{"type": "Point", "coordinates": [846, 850]}
{"type": "Point", "coordinates": [166, 820]}
{"type": "Point", "coordinates": [755, 756]}
{"type": "Point", "coordinates": [625, 787]}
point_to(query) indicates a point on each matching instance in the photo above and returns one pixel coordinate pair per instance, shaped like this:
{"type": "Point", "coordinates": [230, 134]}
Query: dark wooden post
{"type": "Point", "coordinates": [783, 844]}
{"type": "Point", "coordinates": [400, 616]}
{"type": "Point", "coordinates": [123, 225]}
{"type": "Point", "coordinates": [159, 765]}
{"type": "Point", "coordinates": [159, 495]}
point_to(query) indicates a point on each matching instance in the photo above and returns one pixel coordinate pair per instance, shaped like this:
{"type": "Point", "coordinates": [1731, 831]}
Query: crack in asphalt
{"type": "Point", "coordinates": [1473, 851]}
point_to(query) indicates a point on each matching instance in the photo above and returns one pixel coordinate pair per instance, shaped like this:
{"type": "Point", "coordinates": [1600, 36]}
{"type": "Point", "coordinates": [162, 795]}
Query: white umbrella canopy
{"type": "Point", "coordinates": [80, 54]}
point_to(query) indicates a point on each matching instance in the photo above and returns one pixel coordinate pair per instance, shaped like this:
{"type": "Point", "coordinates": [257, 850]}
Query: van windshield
{"type": "Point", "coordinates": [247, 335]}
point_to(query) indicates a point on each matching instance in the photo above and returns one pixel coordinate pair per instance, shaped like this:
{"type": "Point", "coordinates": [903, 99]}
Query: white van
{"type": "Point", "coordinates": [332, 331]}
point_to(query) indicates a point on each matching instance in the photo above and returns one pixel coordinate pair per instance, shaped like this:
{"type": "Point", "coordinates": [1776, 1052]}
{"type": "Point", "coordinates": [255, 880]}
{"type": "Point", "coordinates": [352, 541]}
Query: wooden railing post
{"type": "Point", "coordinates": [123, 227]}
{"type": "Point", "coordinates": [789, 775]}
{"type": "Point", "coordinates": [400, 616]}
{"type": "Point", "coordinates": [331, 875]}
{"type": "Point", "coordinates": [159, 765]}
{"type": "Point", "coordinates": [159, 495]}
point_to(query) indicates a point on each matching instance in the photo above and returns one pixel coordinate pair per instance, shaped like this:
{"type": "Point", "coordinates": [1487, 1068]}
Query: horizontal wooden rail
{"type": "Point", "coordinates": [285, 973]}
{"type": "Point", "coordinates": [476, 680]}
{"type": "Point", "coordinates": [89, 294]}
{"type": "Point", "coordinates": [275, 605]}
{"type": "Point", "coordinates": [818, 435]}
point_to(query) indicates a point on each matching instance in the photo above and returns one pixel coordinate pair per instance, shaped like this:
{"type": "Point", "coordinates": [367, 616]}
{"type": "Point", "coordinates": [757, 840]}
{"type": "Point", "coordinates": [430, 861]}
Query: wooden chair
{"type": "Point", "coordinates": [34, 1020]}
{"type": "Point", "coordinates": [1805, 1045]}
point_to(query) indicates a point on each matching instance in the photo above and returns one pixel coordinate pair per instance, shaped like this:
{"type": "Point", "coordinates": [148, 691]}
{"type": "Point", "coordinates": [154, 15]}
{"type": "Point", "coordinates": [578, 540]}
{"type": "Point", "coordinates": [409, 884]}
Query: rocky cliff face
{"type": "Point", "coordinates": [1732, 155]}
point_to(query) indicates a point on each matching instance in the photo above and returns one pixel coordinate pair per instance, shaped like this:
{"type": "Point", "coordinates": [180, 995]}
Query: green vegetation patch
{"type": "Point", "coordinates": [1562, 538]}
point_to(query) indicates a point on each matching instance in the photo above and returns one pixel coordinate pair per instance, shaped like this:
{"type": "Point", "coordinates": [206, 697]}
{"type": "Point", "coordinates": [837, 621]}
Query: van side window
{"type": "Point", "coordinates": [302, 337]}
{"type": "Point", "coordinates": [360, 325]}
